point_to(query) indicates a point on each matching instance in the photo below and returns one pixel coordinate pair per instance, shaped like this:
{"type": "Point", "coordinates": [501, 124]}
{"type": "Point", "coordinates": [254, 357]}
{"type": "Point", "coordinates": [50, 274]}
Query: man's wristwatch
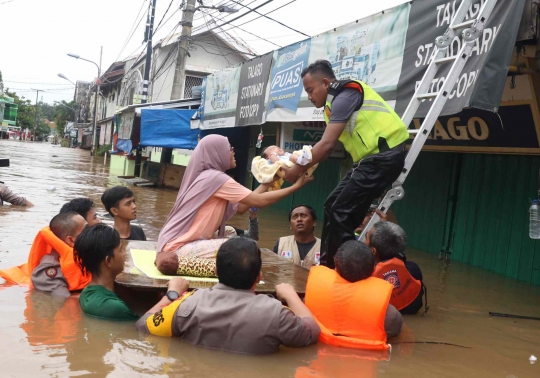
{"type": "Point", "coordinates": [172, 295]}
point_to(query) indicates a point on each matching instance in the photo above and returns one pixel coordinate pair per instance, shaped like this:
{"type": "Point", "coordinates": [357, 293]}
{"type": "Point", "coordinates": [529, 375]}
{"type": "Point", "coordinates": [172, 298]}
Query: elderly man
{"type": "Point", "coordinates": [6, 195]}
{"type": "Point", "coordinates": [388, 242]}
{"type": "Point", "coordinates": [303, 248]}
{"type": "Point", "coordinates": [229, 316]}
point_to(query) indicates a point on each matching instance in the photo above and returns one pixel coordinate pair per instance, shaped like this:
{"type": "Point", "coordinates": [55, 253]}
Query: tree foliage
{"type": "Point", "coordinates": [64, 112]}
{"type": "Point", "coordinates": [42, 131]}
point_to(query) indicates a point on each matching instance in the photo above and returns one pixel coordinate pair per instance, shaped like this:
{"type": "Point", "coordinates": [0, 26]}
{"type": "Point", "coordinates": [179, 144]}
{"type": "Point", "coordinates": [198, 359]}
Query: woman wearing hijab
{"type": "Point", "coordinates": [207, 198]}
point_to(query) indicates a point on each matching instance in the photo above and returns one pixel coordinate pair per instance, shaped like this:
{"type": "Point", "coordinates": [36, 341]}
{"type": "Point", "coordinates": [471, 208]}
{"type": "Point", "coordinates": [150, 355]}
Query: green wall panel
{"type": "Point", "coordinates": [489, 227]}
{"type": "Point", "coordinates": [422, 213]}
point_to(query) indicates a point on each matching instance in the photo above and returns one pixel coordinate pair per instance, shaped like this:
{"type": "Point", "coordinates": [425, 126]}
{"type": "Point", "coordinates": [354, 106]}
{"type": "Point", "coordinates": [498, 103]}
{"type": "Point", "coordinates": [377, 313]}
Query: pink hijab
{"type": "Point", "coordinates": [203, 177]}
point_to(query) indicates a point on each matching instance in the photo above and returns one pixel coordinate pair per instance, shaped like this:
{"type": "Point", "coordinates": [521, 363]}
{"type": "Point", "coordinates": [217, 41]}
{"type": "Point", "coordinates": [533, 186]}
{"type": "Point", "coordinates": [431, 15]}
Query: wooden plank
{"type": "Point", "coordinates": [4, 163]}
{"type": "Point", "coordinates": [275, 269]}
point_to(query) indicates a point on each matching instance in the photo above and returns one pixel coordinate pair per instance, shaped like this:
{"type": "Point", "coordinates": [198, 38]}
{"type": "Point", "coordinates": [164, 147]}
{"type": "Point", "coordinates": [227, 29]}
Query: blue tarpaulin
{"type": "Point", "coordinates": [168, 128]}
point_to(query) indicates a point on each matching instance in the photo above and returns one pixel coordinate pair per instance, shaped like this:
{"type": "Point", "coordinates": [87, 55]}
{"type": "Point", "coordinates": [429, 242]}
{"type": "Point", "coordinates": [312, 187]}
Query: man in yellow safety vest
{"type": "Point", "coordinates": [374, 136]}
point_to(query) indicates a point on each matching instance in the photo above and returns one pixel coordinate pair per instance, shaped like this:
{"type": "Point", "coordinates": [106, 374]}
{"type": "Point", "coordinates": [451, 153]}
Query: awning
{"type": "Point", "coordinates": [168, 128]}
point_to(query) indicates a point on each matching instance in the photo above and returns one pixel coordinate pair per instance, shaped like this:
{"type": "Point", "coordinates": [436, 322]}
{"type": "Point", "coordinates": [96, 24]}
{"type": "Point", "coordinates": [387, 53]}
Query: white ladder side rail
{"type": "Point", "coordinates": [470, 36]}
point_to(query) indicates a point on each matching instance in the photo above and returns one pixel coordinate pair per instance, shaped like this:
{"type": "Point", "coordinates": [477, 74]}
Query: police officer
{"type": "Point", "coordinates": [374, 136]}
{"type": "Point", "coordinates": [6, 195]}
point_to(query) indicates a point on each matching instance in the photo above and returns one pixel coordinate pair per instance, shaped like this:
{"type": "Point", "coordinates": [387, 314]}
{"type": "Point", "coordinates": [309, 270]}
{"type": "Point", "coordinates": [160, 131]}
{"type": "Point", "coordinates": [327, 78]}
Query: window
{"type": "Point", "coordinates": [191, 81]}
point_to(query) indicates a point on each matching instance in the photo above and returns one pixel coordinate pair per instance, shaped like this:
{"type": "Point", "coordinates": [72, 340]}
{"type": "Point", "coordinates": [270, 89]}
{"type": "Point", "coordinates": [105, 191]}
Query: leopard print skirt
{"type": "Point", "coordinates": [196, 267]}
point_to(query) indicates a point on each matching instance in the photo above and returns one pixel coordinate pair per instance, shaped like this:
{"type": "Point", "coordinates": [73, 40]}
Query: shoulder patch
{"type": "Point", "coordinates": [51, 272]}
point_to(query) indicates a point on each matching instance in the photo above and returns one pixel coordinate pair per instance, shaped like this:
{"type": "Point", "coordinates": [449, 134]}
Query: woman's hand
{"type": "Point", "coordinates": [302, 180]}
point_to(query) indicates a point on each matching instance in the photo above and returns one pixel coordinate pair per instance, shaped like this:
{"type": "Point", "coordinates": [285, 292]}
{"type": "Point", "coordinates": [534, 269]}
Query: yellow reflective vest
{"type": "Point", "coordinates": [375, 119]}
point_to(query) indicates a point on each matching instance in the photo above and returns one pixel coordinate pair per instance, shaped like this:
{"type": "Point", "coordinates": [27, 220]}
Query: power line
{"type": "Point", "coordinates": [248, 32]}
{"type": "Point", "coordinates": [242, 15]}
{"type": "Point", "coordinates": [256, 18]}
{"type": "Point", "coordinates": [27, 82]}
{"type": "Point", "coordinates": [270, 18]}
{"type": "Point", "coordinates": [132, 30]}
{"type": "Point", "coordinates": [164, 14]}
{"type": "Point", "coordinates": [214, 36]}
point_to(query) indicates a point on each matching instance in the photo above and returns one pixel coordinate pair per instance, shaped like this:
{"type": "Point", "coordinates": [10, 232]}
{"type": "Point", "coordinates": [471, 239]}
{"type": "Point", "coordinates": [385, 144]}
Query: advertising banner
{"type": "Point", "coordinates": [389, 51]}
{"type": "Point", "coordinates": [286, 82]}
{"type": "Point", "coordinates": [220, 99]}
{"type": "Point", "coordinates": [252, 90]}
{"type": "Point", "coordinates": [481, 83]}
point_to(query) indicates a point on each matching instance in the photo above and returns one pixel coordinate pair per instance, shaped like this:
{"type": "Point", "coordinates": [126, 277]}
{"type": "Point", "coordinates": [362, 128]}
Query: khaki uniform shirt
{"type": "Point", "coordinates": [48, 276]}
{"type": "Point", "coordinates": [239, 321]}
{"type": "Point", "coordinates": [6, 195]}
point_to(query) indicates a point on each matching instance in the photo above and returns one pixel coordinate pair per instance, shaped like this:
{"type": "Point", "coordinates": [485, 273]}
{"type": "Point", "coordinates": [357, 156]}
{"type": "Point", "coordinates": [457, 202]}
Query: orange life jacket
{"type": "Point", "coordinates": [406, 288]}
{"type": "Point", "coordinates": [43, 244]}
{"type": "Point", "coordinates": [350, 315]}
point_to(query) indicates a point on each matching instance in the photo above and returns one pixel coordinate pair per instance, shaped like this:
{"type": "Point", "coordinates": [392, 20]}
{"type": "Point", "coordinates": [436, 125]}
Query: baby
{"type": "Point", "coordinates": [274, 154]}
{"type": "Point", "coordinates": [265, 167]}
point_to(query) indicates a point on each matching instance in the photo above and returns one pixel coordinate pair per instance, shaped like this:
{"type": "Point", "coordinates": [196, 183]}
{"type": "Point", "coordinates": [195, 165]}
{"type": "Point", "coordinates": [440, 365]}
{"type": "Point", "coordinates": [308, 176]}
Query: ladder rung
{"type": "Point", "coordinates": [463, 25]}
{"type": "Point", "coordinates": [446, 60]}
{"type": "Point", "coordinates": [427, 95]}
{"type": "Point", "coordinates": [413, 131]}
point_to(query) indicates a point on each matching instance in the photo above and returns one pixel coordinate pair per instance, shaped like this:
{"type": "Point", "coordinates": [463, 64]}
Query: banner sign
{"type": "Point", "coordinates": [221, 97]}
{"type": "Point", "coordinates": [294, 135]}
{"type": "Point", "coordinates": [475, 130]}
{"type": "Point", "coordinates": [252, 91]}
{"type": "Point", "coordinates": [481, 82]}
{"type": "Point", "coordinates": [389, 51]}
{"type": "Point", "coordinates": [286, 82]}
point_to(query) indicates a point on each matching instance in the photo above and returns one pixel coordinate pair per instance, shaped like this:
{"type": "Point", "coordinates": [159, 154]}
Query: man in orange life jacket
{"type": "Point", "coordinates": [49, 276]}
{"type": "Point", "coordinates": [351, 306]}
{"type": "Point", "coordinates": [374, 136]}
{"type": "Point", "coordinates": [388, 241]}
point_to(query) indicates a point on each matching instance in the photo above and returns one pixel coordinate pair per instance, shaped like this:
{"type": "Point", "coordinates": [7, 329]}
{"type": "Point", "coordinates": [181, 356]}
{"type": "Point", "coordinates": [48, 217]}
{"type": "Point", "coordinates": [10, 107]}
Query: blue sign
{"type": "Point", "coordinates": [285, 80]}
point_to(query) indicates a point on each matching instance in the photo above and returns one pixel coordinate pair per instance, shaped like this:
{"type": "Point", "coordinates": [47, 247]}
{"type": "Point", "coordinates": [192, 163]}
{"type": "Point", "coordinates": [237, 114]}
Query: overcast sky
{"type": "Point", "coordinates": [37, 34]}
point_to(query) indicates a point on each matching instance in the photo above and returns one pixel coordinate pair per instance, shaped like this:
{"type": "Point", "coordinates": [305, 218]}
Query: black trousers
{"type": "Point", "coordinates": [348, 204]}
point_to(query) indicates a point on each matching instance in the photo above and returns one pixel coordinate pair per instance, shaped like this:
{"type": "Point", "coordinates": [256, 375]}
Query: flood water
{"type": "Point", "coordinates": [44, 336]}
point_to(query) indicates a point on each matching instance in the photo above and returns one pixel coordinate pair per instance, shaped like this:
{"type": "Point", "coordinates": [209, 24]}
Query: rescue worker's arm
{"type": "Point", "coordinates": [12, 198]}
{"type": "Point", "coordinates": [344, 105]}
{"type": "Point", "coordinates": [158, 320]}
{"type": "Point", "coordinates": [178, 284]}
{"type": "Point", "coordinates": [393, 321]}
{"type": "Point", "coordinates": [259, 200]}
{"type": "Point", "coordinates": [319, 152]}
{"type": "Point", "coordinates": [297, 326]}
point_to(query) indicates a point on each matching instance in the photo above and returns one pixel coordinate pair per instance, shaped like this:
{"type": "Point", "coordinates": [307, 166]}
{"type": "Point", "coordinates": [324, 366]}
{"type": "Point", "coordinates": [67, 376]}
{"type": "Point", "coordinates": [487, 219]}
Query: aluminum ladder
{"type": "Point", "coordinates": [471, 31]}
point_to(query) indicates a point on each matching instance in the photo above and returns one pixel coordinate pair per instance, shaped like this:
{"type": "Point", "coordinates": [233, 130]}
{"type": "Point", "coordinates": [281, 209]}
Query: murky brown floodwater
{"type": "Point", "coordinates": [43, 336]}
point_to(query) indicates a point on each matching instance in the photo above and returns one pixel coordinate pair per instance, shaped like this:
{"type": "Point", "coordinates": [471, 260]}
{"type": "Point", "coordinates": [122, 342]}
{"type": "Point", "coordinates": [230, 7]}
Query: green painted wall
{"type": "Point", "coordinates": [488, 227]}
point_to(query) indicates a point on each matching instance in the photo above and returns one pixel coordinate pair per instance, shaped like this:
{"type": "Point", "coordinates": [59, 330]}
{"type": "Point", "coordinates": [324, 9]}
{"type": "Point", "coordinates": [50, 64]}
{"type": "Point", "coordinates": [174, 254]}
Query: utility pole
{"type": "Point", "coordinates": [148, 63]}
{"type": "Point", "coordinates": [183, 44]}
{"type": "Point", "coordinates": [37, 118]}
{"type": "Point", "coordinates": [93, 151]}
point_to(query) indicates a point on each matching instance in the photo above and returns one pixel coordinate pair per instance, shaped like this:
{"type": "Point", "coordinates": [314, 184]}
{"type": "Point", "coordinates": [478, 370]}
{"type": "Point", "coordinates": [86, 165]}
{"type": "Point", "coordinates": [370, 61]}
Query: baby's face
{"type": "Point", "coordinates": [274, 149]}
